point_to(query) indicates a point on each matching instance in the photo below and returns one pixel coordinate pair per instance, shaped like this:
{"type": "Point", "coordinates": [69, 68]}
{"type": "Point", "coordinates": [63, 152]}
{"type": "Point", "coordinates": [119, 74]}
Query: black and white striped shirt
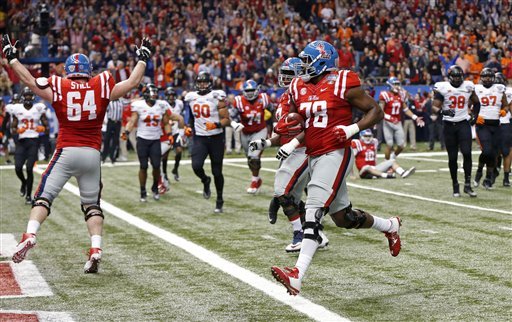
{"type": "Point", "coordinates": [115, 110]}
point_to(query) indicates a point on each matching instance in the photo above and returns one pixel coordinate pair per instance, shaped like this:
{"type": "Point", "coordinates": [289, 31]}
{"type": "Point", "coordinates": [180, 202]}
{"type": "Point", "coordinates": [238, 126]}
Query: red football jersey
{"type": "Point", "coordinates": [283, 106]}
{"type": "Point", "coordinates": [392, 105]}
{"type": "Point", "coordinates": [252, 114]}
{"type": "Point", "coordinates": [366, 153]}
{"type": "Point", "coordinates": [80, 109]}
{"type": "Point", "coordinates": [323, 107]}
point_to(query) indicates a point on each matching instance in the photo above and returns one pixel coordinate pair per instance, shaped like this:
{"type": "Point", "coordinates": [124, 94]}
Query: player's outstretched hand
{"type": "Point", "coordinates": [258, 145]}
{"type": "Point", "coordinates": [145, 50]}
{"type": "Point", "coordinates": [9, 50]}
{"type": "Point", "coordinates": [420, 122]}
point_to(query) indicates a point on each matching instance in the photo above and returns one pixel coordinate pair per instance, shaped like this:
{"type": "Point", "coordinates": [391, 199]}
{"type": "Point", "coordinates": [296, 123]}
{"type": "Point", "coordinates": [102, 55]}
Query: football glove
{"type": "Point", "coordinates": [188, 131]}
{"type": "Point", "coordinates": [124, 136]}
{"type": "Point", "coordinates": [344, 133]}
{"type": "Point", "coordinates": [480, 120]}
{"type": "Point", "coordinates": [503, 113]}
{"type": "Point", "coordinates": [21, 130]}
{"type": "Point", "coordinates": [40, 129]}
{"type": "Point", "coordinates": [212, 126]}
{"type": "Point", "coordinates": [145, 50]}
{"type": "Point", "coordinates": [237, 126]}
{"type": "Point", "coordinates": [449, 112]}
{"type": "Point", "coordinates": [9, 50]}
{"type": "Point", "coordinates": [287, 149]}
{"type": "Point", "coordinates": [259, 145]}
{"type": "Point", "coordinates": [218, 95]}
{"type": "Point", "coordinates": [1, 135]}
{"type": "Point", "coordinates": [170, 138]}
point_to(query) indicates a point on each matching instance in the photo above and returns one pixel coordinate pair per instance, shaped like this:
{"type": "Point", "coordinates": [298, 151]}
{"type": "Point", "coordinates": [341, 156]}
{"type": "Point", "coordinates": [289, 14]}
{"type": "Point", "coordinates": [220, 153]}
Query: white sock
{"type": "Point", "coordinates": [392, 156]}
{"type": "Point", "coordinates": [381, 224]}
{"type": "Point", "coordinates": [384, 175]}
{"type": "Point", "coordinates": [255, 178]}
{"type": "Point", "coordinates": [307, 251]}
{"type": "Point", "coordinates": [400, 171]}
{"type": "Point", "coordinates": [33, 226]}
{"type": "Point", "coordinates": [95, 241]}
{"type": "Point", "coordinates": [296, 224]}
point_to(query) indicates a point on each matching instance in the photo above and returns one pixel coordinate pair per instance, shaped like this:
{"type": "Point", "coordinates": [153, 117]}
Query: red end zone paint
{"type": "Point", "coordinates": [9, 285]}
{"type": "Point", "coordinates": [18, 317]}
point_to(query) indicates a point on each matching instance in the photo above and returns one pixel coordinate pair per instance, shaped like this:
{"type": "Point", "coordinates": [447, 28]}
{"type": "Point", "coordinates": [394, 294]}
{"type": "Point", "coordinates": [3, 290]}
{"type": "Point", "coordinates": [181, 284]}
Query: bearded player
{"type": "Point", "coordinates": [324, 97]}
{"type": "Point", "coordinates": [80, 102]}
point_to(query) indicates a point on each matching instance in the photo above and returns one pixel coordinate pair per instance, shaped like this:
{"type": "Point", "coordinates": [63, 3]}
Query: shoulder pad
{"type": "Point", "coordinates": [501, 88]}
{"type": "Point", "coordinates": [191, 96]}
{"type": "Point", "coordinates": [470, 86]}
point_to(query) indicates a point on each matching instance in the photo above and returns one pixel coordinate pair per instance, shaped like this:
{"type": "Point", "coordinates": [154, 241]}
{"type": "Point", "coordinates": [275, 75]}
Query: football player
{"type": "Point", "coordinates": [455, 99]}
{"type": "Point", "coordinates": [149, 114]}
{"type": "Point", "coordinates": [209, 116]}
{"type": "Point", "coordinates": [505, 139]}
{"type": "Point", "coordinates": [177, 108]}
{"type": "Point", "coordinates": [292, 176]}
{"type": "Point", "coordinates": [365, 151]}
{"type": "Point", "coordinates": [6, 126]}
{"type": "Point", "coordinates": [493, 105]}
{"type": "Point", "coordinates": [393, 102]}
{"type": "Point", "coordinates": [324, 96]}
{"type": "Point", "coordinates": [29, 120]}
{"type": "Point", "coordinates": [80, 102]}
{"type": "Point", "coordinates": [251, 106]}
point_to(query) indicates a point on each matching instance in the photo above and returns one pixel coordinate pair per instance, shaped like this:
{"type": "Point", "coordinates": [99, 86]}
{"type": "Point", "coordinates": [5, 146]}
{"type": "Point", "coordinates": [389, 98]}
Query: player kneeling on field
{"type": "Point", "coordinates": [365, 151]}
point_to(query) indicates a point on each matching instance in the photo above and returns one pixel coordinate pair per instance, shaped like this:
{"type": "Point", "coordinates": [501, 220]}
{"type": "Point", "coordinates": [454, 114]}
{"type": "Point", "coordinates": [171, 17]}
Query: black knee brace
{"type": "Point", "coordinates": [288, 204]}
{"type": "Point", "coordinates": [316, 226]}
{"type": "Point", "coordinates": [42, 202]}
{"type": "Point", "coordinates": [91, 211]}
{"type": "Point", "coordinates": [354, 218]}
{"type": "Point", "coordinates": [254, 164]}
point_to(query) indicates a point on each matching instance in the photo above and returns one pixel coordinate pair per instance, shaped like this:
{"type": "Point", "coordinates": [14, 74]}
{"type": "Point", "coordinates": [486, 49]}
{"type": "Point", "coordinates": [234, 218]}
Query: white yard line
{"type": "Point", "coordinates": [505, 228]}
{"type": "Point", "coordinates": [451, 203]}
{"type": "Point", "coordinates": [7, 245]}
{"type": "Point", "coordinates": [278, 292]}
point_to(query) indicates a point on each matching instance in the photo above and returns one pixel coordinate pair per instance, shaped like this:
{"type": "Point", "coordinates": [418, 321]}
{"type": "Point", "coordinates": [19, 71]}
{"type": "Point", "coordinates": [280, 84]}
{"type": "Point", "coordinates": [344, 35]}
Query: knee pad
{"type": "Point", "coordinates": [354, 218]}
{"type": "Point", "coordinates": [288, 204]}
{"type": "Point", "coordinates": [314, 224]}
{"type": "Point", "coordinates": [42, 202]}
{"type": "Point", "coordinates": [254, 164]}
{"type": "Point", "coordinates": [91, 211]}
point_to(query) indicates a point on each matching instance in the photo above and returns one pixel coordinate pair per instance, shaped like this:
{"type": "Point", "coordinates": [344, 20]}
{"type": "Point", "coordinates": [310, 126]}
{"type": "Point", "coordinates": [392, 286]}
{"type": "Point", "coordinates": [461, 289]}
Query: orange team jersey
{"type": "Point", "coordinates": [252, 113]}
{"type": "Point", "coordinates": [365, 152]}
{"type": "Point", "coordinates": [80, 109]}
{"type": "Point", "coordinates": [323, 106]}
{"type": "Point", "coordinates": [392, 105]}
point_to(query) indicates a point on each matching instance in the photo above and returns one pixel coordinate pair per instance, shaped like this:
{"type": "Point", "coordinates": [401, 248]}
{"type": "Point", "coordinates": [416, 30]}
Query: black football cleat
{"type": "Point", "coordinates": [469, 191]}
{"type": "Point", "coordinates": [478, 177]}
{"type": "Point", "coordinates": [206, 188]}
{"type": "Point", "coordinates": [456, 190]}
{"type": "Point", "coordinates": [273, 208]}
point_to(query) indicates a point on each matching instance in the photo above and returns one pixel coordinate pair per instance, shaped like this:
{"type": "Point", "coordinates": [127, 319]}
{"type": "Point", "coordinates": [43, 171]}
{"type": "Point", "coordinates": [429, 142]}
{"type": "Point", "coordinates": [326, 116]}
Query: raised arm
{"type": "Point", "coordinates": [144, 53]}
{"type": "Point", "coordinates": [40, 88]}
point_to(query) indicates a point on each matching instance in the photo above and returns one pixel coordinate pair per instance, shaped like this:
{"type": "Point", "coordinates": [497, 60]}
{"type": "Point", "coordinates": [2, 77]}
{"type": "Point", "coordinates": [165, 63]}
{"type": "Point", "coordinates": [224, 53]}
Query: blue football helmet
{"type": "Point", "coordinates": [394, 84]}
{"type": "Point", "coordinates": [78, 65]}
{"type": "Point", "coordinates": [290, 69]}
{"type": "Point", "coordinates": [251, 90]}
{"type": "Point", "coordinates": [366, 136]}
{"type": "Point", "coordinates": [318, 56]}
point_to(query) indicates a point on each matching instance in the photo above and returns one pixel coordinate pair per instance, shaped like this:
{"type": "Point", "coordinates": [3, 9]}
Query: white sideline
{"type": "Point", "coordinates": [7, 245]}
{"type": "Point", "coordinates": [451, 203]}
{"type": "Point", "coordinates": [43, 316]}
{"type": "Point", "coordinates": [29, 279]}
{"type": "Point", "coordinates": [278, 292]}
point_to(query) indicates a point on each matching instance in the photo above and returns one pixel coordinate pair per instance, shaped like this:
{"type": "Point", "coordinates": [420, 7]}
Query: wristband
{"type": "Point", "coordinates": [414, 117]}
{"type": "Point", "coordinates": [351, 130]}
{"type": "Point", "coordinates": [268, 143]}
{"type": "Point", "coordinates": [141, 61]}
{"type": "Point", "coordinates": [12, 61]}
{"type": "Point", "coordinates": [387, 117]}
{"type": "Point", "coordinates": [295, 143]}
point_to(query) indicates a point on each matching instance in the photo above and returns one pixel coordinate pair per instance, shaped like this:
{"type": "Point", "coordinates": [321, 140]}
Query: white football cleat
{"type": "Point", "coordinates": [91, 266]}
{"type": "Point", "coordinates": [27, 242]}
{"type": "Point", "coordinates": [289, 277]}
{"type": "Point", "coordinates": [296, 243]}
{"type": "Point", "coordinates": [325, 240]}
{"type": "Point", "coordinates": [254, 187]}
{"type": "Point", "coordinates": [408, 172]}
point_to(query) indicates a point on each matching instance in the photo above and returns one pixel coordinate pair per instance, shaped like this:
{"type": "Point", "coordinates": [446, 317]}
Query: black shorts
{"type": "Point", "coordinates": [149, 149]}
{"type": "Point", "coordinates": [505, 138]}
{"type": "Point", "coordinates": [205, 146]}
{"type": "Point", "coordinates": [26, 150]}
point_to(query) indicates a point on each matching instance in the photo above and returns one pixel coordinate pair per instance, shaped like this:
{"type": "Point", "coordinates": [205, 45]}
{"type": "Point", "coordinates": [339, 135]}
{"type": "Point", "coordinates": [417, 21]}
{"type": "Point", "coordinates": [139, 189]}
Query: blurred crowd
{"type": "Point", "coordinates": [415, 41]}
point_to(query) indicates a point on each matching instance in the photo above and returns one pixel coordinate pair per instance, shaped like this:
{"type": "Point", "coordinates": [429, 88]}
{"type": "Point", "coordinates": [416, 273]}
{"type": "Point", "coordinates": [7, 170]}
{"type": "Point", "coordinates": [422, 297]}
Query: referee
{"type": "Point", "coordinates": [111, 143]}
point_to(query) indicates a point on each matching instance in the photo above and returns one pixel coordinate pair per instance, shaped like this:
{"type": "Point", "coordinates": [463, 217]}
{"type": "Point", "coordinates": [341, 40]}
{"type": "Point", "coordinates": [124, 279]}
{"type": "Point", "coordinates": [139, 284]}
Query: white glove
{"type": "Point", "coordinates": [218, 95]}
{"type": "Point", "coordinates": [259, 145]}
{"type": "Point", "coordinates": [287, 149]}
{"type": "Point", "coordinates": [237, 126]}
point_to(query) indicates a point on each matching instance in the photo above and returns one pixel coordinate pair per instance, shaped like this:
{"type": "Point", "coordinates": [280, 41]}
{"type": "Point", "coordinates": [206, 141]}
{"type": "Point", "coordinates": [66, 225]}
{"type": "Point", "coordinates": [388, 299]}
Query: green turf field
{"type": "Point", "coordinates": [455, 263]}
